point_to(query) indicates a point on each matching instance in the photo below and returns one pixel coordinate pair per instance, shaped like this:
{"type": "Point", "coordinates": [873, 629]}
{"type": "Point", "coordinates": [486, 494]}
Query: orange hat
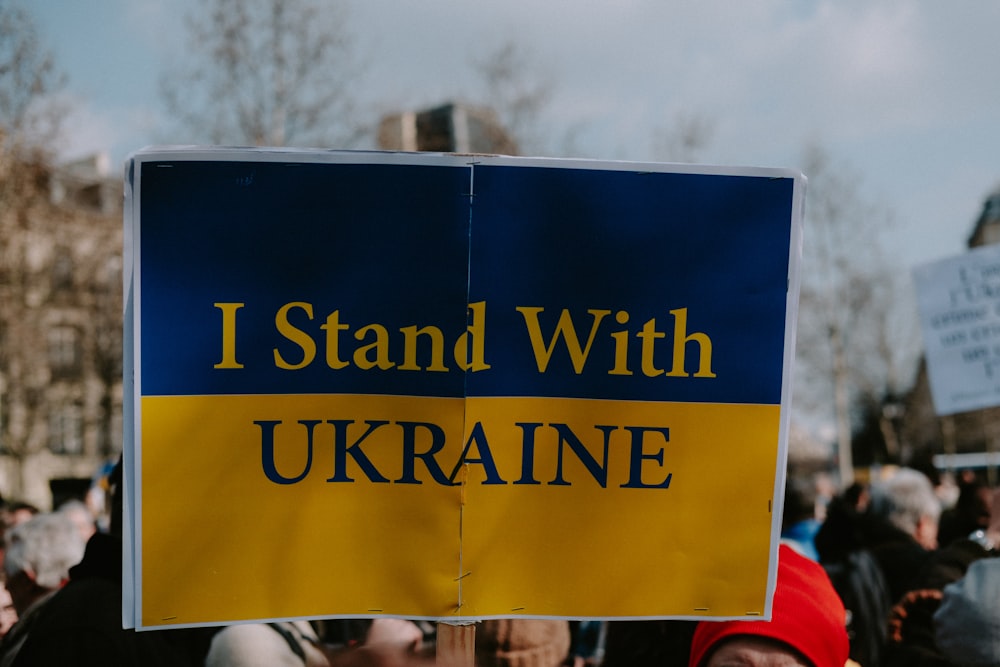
{"type": "Point", "coordinates": [806, 614]}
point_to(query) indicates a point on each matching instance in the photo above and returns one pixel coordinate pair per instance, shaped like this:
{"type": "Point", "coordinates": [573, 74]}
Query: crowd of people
{"type": "Point", "coordinates": [884, 574]}
{"type": "Point", "coordinates": [903, 561]}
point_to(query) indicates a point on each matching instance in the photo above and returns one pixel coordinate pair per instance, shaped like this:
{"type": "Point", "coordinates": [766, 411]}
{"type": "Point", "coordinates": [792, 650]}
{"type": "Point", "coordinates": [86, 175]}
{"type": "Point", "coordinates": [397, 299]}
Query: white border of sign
{"type": "Point", "coordinates": [131, 603]}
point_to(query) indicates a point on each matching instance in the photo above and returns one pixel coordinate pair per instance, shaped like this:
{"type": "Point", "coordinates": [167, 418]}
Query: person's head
{"type": "Point", "coordinates": [808, 625]}
{"type": "Point", "coordinates": [967, 622]}
{"type": "Point", "coordinates": [38, 556]}
{"type": "Point", "coordinates": [907, 500]}
{"type": "Point", "coordinates": [800, 501]}
{"type": "Point", "coordinates": [81, 517]}
{"type": "Point", "coordinates": [17, 512]}
{"type": "Point", "coordinates": [522, 642]}
{"type": "Point", "coordinates": [857, 496]}
{"type": "Point", "coordinates": [975, 503]}
{"type": "Point", "coordinates": [8, 615]}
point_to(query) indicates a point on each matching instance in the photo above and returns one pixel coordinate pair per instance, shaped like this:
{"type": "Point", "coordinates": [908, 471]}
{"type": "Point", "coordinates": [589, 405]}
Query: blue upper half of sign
{"type": "Point", "coordinates": [642, 246]}
{"type": "Point", "coordinates": [357, 277]}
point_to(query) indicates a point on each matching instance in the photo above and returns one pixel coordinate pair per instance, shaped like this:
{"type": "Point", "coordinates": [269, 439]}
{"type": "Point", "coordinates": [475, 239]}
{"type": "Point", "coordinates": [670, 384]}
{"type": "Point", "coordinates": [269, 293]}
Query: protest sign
{"type": "Point", "coordinates": [454, 387]}
{"type": "Point", "coordinates": [959, 304]}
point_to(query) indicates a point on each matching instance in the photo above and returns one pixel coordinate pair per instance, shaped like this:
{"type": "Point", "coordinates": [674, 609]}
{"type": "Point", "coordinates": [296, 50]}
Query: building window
{"type": "Point", "coordinates": [64, 350]}
{"type": "Point", "coordinates": [62, 270]}
{"type": "Point", "coordinates": [66, 429]}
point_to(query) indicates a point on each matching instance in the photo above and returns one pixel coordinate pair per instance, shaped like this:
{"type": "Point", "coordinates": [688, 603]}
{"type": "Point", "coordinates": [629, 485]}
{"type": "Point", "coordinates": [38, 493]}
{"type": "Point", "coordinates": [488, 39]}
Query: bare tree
{"type": "Point", "coordinates": [27, 77]}
{"type": "Point", "coordinates": [515, 91]}
{"type": "Point", "coordinates": [60, 326]}
{"type": "Point", "coordinates": [29, 118]}
{"type": "Point", "coordinates": [60, 304]}
{"type": "Point", "coordinates": [853, 338]}
{"type": "Point", "coordinates": [684, 138]}
{"type": "Point", "coordinates": [265, 72]}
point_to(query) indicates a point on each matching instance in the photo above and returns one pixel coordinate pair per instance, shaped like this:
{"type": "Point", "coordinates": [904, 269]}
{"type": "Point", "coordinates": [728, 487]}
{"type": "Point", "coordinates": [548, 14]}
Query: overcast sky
{"type": "Point", "coordinates": [903, 93]}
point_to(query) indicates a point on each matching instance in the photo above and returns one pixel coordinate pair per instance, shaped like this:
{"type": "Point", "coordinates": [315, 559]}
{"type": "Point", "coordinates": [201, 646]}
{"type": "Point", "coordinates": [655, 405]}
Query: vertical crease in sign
{"type": "Point", "coordinates": [468, 273]}
{"type": "Point", "coordinates": [462, 481]}
{"type": "Point", "coordinates": [465, 383]}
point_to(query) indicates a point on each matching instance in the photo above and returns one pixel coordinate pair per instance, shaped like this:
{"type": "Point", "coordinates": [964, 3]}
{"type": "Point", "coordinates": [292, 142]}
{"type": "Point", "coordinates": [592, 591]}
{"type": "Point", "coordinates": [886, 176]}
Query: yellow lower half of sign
{"type": "Point", "coordinates": [256, 507]}
{"type": "Point", "coordinates": [680, 525]}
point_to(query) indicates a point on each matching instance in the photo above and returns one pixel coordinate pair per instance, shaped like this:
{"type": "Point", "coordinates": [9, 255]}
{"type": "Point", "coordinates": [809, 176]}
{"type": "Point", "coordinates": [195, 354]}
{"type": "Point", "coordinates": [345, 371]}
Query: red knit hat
{"type": "Point", "coordinates": [806, 614]}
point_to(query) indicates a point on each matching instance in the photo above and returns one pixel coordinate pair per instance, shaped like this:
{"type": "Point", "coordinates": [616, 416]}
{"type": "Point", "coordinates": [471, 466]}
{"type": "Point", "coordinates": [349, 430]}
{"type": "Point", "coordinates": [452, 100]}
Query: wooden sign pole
{"type": "Point", "coordinates": [456, 645]}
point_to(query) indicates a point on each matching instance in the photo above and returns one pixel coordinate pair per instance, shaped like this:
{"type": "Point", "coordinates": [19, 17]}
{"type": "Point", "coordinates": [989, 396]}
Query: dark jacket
{"type": "Point", "coordinates": [81, 625]}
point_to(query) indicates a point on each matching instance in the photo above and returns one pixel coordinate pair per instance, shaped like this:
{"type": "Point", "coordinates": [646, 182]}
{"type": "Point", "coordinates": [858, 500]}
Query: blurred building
{"type": "Point", "coordinates": [60, 328]}
{"type": "Point", "coordinates": [449, 128]}
{"type": "Point", "coordinates": [973, 435]}
{"type": "Point", "coordinates": [61, 237]}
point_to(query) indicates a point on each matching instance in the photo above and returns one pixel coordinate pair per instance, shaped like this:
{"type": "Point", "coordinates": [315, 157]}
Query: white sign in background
{"type": "Point", "coordinates": [959, 304]}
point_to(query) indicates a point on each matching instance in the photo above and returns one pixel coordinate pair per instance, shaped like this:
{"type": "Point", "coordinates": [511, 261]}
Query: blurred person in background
{"type": "Point", "coordinates": [17, 512]}
{"type": "Point", "coordinates": [522, 642]}
{"type": "Point", "coordinates": [297, 644]}
{"type": "Point", "coordinates": [843, 543]}
{"type": "Point", "coordinates": [970, 622]}
{"type": "Point", "coordinates": [81, 516]}
{"type": "Point", "coordinates": [12, 513]}
{"type": "Point", "coordinates": [904, 547]}
{"type": "Point", "coordinates": [37, 559]}
{"type": "Point", "coordinates": [8, 615]}
{"type": "Point", "coordinates": [81, 623]}
{"type": "Point", "coordinates": [799, 524]}
{"type": "Point", "coordinates": [967, 622]}
{"type": "Point", "coordinates": [970, 513]}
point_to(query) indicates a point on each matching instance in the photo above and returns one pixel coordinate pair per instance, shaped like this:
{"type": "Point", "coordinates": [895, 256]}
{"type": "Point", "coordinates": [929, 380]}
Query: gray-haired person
{"type": "Point", "coordinates": [910, 510]}
{"type": "Point", "coordinates": [37, 559]}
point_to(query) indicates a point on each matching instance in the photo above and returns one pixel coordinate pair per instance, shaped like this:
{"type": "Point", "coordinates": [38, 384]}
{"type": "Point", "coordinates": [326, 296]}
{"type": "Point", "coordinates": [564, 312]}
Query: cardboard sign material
{"type": "Point", "coordinates": [454, 387]}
